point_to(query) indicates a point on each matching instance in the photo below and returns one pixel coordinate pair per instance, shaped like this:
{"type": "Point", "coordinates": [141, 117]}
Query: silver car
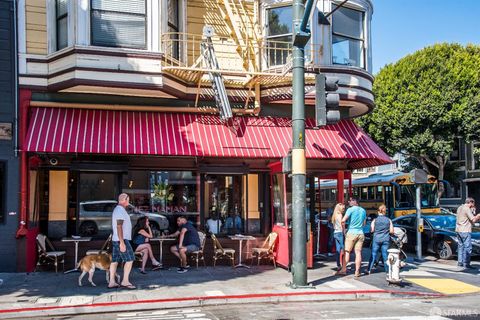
{"type": "Point", "coordinates": [96, 218]}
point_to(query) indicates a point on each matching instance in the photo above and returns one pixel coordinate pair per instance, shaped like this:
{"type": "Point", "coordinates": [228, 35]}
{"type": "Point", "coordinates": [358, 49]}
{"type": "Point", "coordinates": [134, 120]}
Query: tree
{"type": "Point", "coordinates": [424, 101]}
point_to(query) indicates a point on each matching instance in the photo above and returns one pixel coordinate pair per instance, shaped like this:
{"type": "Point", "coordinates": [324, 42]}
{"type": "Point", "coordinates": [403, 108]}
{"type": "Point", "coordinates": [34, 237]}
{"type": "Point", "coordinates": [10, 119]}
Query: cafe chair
{"type": "Point", "coordinates": [267, 250]}
{"type": "Point", "coordinates": [105, 248]}
{"type": "Point", "coordinates": [49, 257]}
{"type": "Point", "coordinates": [220, 252]}
{"type": "Point", "coordinates": [198, 255]}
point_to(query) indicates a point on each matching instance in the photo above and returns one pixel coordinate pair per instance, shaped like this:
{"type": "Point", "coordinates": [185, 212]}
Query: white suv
{"type": "Point", "coordinates": [96, 218]}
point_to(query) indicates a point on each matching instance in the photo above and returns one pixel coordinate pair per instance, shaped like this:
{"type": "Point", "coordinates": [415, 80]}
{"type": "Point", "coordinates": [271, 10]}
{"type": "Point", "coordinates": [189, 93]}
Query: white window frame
{"type": "Point", "coordinates": [364, 53]}
{"type": "Point", "coordinates": [52, 26]}
{"type": "Point", "coordinates": [182, 25]}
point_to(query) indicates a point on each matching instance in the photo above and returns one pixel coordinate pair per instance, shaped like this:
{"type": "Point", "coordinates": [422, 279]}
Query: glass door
{"type": "Point", "coordinates": [224, 204]}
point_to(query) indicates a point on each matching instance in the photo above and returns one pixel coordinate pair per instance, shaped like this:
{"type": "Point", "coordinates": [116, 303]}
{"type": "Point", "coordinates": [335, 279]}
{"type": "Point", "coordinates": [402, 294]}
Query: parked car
{"type": "Point", "coordinates": [96, 217]}
{"type": "Point", "coordinates": [439, 235]}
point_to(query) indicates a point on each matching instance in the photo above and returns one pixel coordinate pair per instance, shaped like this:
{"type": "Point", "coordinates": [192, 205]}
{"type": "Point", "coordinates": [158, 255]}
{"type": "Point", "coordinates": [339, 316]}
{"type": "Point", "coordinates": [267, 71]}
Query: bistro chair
{"type": "Point", "coordinates": [49, 257]}
{"type": "Point", "coordinates": [220, 252]}
{"type": "Point", "coordinates": [267, 250]}
{"type": "Point", "coordinates": [105, 248]}
{"type": "Point", "coordinates": [198, 255]}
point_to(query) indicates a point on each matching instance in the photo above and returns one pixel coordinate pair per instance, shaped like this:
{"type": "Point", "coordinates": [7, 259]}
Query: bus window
{"type": "Point", "coordinates": [379, 193]}
{"type": "Point", "coordinates": [355, 192]}
{"type": "Point", "coordinates": [371, 193]}
{"type": "Point", "coordinates": [363, 194]}
{"type": "Point", "coordinates": [407, 197]}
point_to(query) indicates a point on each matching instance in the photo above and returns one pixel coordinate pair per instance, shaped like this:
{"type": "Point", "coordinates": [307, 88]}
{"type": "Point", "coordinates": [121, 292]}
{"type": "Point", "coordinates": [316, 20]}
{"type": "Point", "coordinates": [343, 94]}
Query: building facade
{"type": "Point", "coordinates": [8, 139]}
{"type": "Point", "coordinates": [124, 96]}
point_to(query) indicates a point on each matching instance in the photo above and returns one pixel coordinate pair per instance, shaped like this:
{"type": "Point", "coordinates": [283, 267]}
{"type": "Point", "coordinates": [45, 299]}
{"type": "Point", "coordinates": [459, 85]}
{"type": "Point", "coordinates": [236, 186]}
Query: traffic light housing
{"type": "Point", "coordinates": [327, 100]}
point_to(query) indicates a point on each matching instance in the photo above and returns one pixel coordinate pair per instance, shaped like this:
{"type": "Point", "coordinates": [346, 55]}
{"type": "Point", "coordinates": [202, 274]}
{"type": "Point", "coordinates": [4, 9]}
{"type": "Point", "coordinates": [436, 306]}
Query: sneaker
{"type": "Point", "coordinates": [460, 264]}
{"type": "Point", "coordinates": [181, 270]}
{"type": "Point", "coordinates": [330, 254]}
{"type": "Point", "coordinates": [467, 266]}
{"type": "Point", "coordinates": [187, 266]}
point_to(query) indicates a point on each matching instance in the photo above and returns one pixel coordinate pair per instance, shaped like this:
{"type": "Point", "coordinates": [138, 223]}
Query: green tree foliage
{"type": "Point", "coordinates": [424, 101]}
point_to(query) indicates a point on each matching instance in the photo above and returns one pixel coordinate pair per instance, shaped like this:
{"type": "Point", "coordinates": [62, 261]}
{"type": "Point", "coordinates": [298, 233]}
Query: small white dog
{"type": "Point", "coordinates": [88, 264]}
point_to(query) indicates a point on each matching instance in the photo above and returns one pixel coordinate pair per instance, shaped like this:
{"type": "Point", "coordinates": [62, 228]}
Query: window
{"type": "Point", "coordinates": [61, 16]}
{"type": "Point", "coordinates": [407, 222]}
{"type": "Point", "coordinates": [279, 34]}
{"type": "Point", "coordinates": [348, 37]}
{"type": "Point", "coordinates": [118, 23]}
{"type": "Point", "coordinates": [173, 27]}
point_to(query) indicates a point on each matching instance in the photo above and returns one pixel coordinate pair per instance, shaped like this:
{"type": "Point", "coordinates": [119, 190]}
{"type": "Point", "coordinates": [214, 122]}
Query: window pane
{"type": "Point", "coordinates": [347, 52]}
{"type": "Point", "coordinates": [278, 50]}
{"type": "Point", "coordinates": [173, 14]}
{"type": "Point", "coordinates": [61, 7]}
{"type": "Point", "coordinates": [348, 22]}
{"type": "Point", "coordinates": [3, 183]}
{"type": "Point", "coordinates": [130, 6]}
{"type": "Point", "coordinates": [280, 21]}
{"type": "Point", "coordinates": [118, 29]}
{"type": "Point", "coordinates": [62, 33]}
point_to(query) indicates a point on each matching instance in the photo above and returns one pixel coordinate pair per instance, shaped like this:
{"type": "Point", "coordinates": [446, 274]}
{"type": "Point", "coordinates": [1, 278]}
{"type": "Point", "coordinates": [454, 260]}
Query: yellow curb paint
{"type": "Point", "coordinates": [445, 286]}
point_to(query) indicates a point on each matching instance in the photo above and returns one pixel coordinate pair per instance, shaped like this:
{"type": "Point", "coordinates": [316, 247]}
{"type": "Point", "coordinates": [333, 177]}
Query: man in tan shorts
{"type": "Point", "coordinates": [356, 217]}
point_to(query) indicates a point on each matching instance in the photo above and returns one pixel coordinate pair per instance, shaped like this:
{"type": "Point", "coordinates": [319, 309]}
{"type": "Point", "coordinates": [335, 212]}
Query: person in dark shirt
{"type": "Point", "coordinates": [188, 241]}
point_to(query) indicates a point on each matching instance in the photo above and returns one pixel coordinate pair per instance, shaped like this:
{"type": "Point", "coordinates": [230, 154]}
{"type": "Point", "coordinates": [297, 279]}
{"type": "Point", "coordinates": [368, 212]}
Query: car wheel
{"type": "Point", "coordinates": [444, 250]}
{"type": "Point", "coordinates": [88, 228]}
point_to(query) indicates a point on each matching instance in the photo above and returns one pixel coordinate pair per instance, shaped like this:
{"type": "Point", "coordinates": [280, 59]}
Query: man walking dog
{"type": "Point", "coordinates": [121, 249]}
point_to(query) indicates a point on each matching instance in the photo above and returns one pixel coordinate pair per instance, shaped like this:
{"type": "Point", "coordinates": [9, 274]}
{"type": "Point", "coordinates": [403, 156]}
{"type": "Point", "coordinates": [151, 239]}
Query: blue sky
{"type": "Point", "coordinates": [400, 27]}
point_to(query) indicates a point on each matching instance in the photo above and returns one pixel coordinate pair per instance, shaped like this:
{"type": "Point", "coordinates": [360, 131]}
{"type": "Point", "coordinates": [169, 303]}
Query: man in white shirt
{"type": "Point", "coordinates": [214, 225]}
{"type": "Point", "coordinates": [121, 249]}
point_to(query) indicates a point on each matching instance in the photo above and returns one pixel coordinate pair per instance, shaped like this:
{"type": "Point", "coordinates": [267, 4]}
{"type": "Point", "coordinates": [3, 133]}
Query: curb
{"type": "Point", "coordinates": [200, 301]}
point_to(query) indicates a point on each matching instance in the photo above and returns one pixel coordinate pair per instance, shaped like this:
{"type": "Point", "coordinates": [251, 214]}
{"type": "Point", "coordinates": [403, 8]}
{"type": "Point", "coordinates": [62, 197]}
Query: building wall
{"type": "Point", "coordinates": [7, 104]}
{"type": "Point", "coordinates": [36, 26]}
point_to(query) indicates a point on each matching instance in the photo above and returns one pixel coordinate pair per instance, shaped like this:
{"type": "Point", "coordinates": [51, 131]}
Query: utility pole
{"type": "Point", "coordinates": [301, 36]}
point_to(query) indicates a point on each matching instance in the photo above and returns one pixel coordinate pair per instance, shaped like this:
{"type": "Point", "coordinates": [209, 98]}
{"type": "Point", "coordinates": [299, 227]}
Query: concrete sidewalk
{"type": "Point", "coordinates": [47, 293]}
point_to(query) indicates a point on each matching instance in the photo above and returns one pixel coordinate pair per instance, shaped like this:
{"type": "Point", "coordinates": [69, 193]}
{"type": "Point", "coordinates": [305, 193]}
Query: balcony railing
{"type": "Point", "coordinates": [183, 52]}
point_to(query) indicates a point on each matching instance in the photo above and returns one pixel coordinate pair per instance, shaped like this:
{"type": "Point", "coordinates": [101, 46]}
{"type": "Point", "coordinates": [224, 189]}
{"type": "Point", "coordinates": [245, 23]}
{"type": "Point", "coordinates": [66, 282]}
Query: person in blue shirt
{"type": "Point", "coordinates": [356, 218]}
{"type": "Point", "coordinates": [188, 241]}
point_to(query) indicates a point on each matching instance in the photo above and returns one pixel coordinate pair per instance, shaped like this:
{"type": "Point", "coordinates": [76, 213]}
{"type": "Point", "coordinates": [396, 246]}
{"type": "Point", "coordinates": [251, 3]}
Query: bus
{"type": "Point", "coordinates": [396, 190]}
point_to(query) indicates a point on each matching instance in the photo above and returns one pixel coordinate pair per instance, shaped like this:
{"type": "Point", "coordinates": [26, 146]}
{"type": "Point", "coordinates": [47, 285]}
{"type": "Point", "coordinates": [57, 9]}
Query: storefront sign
{"type": "Point", "coordinates": [5, 131]}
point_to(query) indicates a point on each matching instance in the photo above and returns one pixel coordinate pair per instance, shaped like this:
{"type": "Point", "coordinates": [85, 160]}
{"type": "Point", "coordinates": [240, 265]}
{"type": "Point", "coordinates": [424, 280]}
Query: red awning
{"type": "Point", "coordinates": [58, 130]}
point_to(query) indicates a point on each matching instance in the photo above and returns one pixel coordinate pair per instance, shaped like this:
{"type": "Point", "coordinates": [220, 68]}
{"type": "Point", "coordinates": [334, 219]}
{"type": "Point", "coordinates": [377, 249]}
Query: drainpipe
{"type": "Point", "coordinates": [25, 97]}
{"type": "Point", "coordinates": [15, 68]}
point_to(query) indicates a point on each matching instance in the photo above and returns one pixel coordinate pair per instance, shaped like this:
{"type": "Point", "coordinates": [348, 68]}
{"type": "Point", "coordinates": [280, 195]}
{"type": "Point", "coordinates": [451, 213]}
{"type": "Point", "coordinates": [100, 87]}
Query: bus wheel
{"type": "Point", "coordinates": [444, 250]}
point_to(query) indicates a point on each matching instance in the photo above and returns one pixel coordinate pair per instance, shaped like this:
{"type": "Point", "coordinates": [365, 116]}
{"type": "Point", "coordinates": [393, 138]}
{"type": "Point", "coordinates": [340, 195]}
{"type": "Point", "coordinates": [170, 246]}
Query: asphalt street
{"type": "Point", "coordinates": [465, 307]}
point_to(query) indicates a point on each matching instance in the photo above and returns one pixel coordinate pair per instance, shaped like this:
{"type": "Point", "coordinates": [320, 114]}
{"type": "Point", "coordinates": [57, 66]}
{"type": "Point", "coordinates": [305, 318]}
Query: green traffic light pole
{"type": "Point", "coordinates": [301, 13]}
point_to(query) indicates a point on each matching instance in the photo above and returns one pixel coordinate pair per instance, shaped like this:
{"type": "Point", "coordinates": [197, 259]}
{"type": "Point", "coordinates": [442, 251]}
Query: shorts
{"type": "Point", "coordinates": [339, 241]}
{"type": "Point", "coordinates": [118, 256]}
{"type": "Point", "coordinates": [190, 248]}
{"type": "Point", "coordinates": [354, 241]}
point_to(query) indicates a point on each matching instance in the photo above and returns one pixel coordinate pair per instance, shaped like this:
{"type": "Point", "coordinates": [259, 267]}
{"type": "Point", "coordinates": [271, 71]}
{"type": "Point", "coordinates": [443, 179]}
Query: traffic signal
{"type": "Point", "coordinates": [327, 101]}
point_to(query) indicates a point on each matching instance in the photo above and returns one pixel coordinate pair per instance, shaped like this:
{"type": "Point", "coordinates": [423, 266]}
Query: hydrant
{"type": "Point", "coordinates": [394, 265]}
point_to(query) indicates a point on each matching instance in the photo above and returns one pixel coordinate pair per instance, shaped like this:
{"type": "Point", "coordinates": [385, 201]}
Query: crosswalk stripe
{"type": "Point", "coordinates": [340, 284]}
{"type": "Point", "coordinates": [445, 286]}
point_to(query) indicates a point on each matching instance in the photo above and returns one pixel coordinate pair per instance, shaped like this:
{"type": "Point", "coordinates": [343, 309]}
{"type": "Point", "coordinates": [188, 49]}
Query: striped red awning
{"type": "Point", "coordinates": [58, 130]}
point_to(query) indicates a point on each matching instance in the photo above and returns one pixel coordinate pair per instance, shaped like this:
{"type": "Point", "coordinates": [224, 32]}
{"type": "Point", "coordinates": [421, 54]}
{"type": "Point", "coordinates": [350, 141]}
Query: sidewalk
{"type": "Point", "coordinates": [47, 293]}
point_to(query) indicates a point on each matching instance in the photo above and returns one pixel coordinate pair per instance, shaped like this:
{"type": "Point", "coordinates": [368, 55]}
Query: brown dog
{"type": "Point", "coordinates": [88, 264]}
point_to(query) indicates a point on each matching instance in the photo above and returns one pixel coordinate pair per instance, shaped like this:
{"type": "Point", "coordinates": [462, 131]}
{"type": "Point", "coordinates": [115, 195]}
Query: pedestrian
{"type": "Point", "coordinates": [142, 233]}
{"type": "Point", "coordinates": [188, 241]}
{"type": "Point", "coordinates": [463, 228]}
{"type": "Point", "coordinates": [121, 248]}
{"type": "Point", "coordinates": [331, 231]}
{"type": "Point", "coordinates": [338, 234]}
{"type": "Point", "coordinates": [382, 228]}
{"type": "Point", "coordinates": [356, 217]}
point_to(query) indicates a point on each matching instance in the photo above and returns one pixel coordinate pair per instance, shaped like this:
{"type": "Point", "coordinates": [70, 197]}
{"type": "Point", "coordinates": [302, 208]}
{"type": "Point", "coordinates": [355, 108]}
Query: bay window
{"type": "Point", "coordinates": [348, 37]}
{"type": "Point", "coordinates": [61, 18]}
{"type": "Point", "coordinates": [279, 34]}
{"type": "Point", "coordinates": [118, 23]}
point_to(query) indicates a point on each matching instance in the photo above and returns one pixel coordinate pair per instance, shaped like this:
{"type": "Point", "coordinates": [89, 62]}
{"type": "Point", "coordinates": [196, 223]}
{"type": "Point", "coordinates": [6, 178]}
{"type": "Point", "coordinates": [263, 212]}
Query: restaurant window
{"type": "Point", "coordinates": [3, 183]}
{"type": "Point", "coordinates": [224, 202]}
{"type": "Point", "coordinates": [166, 193]}
{"type": "Point", "coordinates": [61, 17]}
{"type": "Point", "coordinates": [117, 23]}
{"type": "Point", "coordinates": [279, 34]}
{"type": "Point", "coordinates": [348, 37]}
{"type": "Point", "coordinates": [97, 197]}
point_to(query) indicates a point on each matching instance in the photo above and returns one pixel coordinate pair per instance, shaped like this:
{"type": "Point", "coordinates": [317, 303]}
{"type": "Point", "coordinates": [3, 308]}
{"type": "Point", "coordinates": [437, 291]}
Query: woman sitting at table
{"type": "Point", "coordinates": [141, 235]}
